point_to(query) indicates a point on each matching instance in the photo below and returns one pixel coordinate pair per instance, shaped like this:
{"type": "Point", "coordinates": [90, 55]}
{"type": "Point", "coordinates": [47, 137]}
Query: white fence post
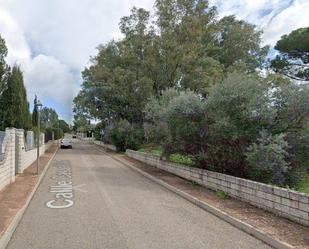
{"type": "Point", "coordinates": [10, 132]}
{"type": "Point", "coordinates": [20, 147]}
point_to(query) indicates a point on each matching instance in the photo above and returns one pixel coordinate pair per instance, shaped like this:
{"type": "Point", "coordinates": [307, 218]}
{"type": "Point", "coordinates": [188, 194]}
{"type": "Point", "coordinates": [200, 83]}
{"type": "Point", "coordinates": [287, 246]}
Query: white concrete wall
{"type": "Point", "coordinates": [16, 158]}
{"type": "Point", "coordinates": [25, 158]}
{"type": "Point", "coordinates": [7, 165]}
{"type": "Point", "coordinates": [283, 202]}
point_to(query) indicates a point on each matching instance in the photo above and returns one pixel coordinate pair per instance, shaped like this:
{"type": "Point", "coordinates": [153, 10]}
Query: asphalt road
{"type": "Point", "coordinates": [112, 207]}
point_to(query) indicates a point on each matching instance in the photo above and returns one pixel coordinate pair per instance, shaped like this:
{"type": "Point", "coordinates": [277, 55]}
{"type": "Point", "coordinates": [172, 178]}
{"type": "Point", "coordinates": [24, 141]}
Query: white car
{"type": "Point", "coordinates": [66, 143]}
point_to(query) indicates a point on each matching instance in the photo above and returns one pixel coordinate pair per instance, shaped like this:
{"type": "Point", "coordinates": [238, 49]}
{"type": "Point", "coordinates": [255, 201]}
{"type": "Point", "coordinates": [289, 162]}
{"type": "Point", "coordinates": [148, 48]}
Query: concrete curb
{"type": "Point", "coordinates": [6, 237]}
{"type": "Point", "coordinates": [247, 228]}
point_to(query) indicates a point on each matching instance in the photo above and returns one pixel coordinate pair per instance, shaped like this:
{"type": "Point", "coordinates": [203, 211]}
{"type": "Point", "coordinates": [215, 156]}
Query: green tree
{"type": "Point", "coordinates": [64, 126]}
{"type": "Point", "coordinates": [240, 42]}
{"type": "Point", "coordinates": [48, 118]}
{"type": "Point", "coordinates": [35, 112]}
{"type": "Point", "coordinates": [4, 70]}
{"type": "Point", "coordinates": [80, 123]}
{"type": "Point", "coordinates": [293, 59]}
{"type": "Point", "coordinates": [3, 66]}
{"type": "Point", "coordinates": [14, 99]}
{"type": "Point", "coordinates": [184, 45]}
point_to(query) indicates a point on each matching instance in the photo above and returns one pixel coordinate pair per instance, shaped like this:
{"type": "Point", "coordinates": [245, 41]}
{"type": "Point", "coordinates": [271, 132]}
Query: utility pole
{"type": "Point", "coordinates": [37, 106]}
{"type": "Point", "coordinates": [58, 132]}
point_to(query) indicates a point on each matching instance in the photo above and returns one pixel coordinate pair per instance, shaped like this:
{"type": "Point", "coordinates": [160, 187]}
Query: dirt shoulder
{"type": "Point", "coordinates": [277, 227]}
{"type": "Point", "coordinates": [14, 196]}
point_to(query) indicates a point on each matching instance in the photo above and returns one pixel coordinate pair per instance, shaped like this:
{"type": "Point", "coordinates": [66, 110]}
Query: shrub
{"type": "Point", "coordinates": [156, 107]}
{"type": "Point", "coordinates": [267, 158]}
{"type": "Point", "coordinates": [107, 133]}
{"type": "Point", "coordinates": [155, 133]}
{"type": "Point", "coordinates": [298, 156]}
{"type": "Point", "coordinates": [217, 131]}
{"type": "Point", "coordinates": [155, 126]}
{"type": "Point", "coordinates": [124, 135]}
{"type": "Point", "coordinates": [185, 116]}
{"type": "Point", "coordinates": [240, 107]}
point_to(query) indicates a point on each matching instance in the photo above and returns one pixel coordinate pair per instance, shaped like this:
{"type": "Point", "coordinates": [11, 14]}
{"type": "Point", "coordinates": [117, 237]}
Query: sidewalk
{"type": "Point", "coordinates": [280, 229]}
{"type": "Point", "coordinates": [14, 196]}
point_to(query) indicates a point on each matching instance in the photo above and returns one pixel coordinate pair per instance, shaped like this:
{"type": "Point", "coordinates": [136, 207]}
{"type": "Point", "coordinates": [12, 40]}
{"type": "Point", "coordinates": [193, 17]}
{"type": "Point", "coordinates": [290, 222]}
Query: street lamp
{"type": "Point", "coordinates": [37, 107]}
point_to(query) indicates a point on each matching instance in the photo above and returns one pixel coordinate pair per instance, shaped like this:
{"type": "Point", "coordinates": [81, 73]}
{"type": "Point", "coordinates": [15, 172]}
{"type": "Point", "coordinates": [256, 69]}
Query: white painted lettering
{"type": "Point", "coordinates": [50, 204]}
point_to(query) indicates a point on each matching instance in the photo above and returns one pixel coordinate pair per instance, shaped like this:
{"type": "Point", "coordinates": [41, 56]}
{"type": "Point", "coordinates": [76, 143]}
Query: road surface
{"type": "Point", "coordinates": [87, 200]}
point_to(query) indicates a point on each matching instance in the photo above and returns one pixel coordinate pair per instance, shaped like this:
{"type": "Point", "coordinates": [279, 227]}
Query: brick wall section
{"type": "Point", "coordinates": [7, 165]}
{"type": "Point", "coordinates": [106, 146]}
{"type": "Point", "coordinates": [283, 202]}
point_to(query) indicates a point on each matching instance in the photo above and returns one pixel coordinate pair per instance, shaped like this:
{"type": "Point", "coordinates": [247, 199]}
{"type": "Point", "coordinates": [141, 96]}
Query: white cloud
{"type": "Point", "coordinates": [291, 18]}
{"type": "Point", "coordinates": [51, 79]}
{"type": "Point", "coordinates": [15, 40]}
{"type": "Point", "coordinates": [53, 40]}
{"type": "Point", "coordinates": [43, 75]}
{"type": "Point", "coordinates": [70, 30]}
{"type": "Point", "coordinates": [275, 17]}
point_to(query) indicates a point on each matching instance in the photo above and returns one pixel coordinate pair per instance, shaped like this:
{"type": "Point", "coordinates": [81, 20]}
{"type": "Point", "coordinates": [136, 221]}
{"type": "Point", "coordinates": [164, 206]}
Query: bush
{"type": "Point", "coordinates": [185, 117]}
{"type": "Point", "coordinates": [240, 107]}
{"type": "Point", "coordinates": [124, 135]}
{"type": "Point", "coordinates": [155, 126]}
{"type": "Point", "coordinates": [225, 132]}
{"type": "Point", "coordinates": [268, 158]}
{"type": "Point", "coordinates": [156, 107]}
{"type": "Point", "coordinates": [155, 133]}
{"type": "Point", "coordinates": [107, 133]}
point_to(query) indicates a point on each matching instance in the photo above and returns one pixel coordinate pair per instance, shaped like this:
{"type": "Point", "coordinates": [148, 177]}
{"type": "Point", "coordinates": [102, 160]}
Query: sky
{"type": "Point", "coordinates": [52, 40]}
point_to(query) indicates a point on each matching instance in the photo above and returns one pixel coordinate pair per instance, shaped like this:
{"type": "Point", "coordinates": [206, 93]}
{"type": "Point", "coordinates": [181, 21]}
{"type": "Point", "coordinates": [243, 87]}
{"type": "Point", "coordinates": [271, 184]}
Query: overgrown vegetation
{"type": "Point", "coordinates": [188, 85]}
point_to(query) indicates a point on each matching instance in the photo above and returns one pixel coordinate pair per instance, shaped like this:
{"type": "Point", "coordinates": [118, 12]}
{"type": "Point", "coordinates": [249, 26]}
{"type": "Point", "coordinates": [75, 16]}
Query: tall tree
{"type": "Point", "coordinates": [35, 112]}
{"type": "Point", "coordinates": [80, 123]}
{"type": "Point", "coordinates": [184, 45]}
{"type": "Point", "coordinates": [16, 113]}
{"type": "Point", "coordinates": [64, 126]}
{"type": "Point", "coordinates": [293, 60]}
{"type": "Point", "coordinates": [48, 118]}
{"type": "Point", "coordinates": [3, 65]}
{"type": "Point", "coordinates": [240, 42]}
{"type": "Point", "coordinates": [4, 69]}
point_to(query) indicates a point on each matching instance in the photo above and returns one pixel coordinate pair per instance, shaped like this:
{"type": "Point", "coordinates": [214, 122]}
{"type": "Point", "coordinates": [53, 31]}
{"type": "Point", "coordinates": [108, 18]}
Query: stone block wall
{"type": "Point", "coordinates": [283, 202]}
{"type": "Point", "coordinates": [105, 146]}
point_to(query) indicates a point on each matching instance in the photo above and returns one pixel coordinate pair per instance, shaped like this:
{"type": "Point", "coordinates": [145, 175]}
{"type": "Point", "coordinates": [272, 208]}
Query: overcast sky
{"type": "Point", "coordinates": [52, 40]}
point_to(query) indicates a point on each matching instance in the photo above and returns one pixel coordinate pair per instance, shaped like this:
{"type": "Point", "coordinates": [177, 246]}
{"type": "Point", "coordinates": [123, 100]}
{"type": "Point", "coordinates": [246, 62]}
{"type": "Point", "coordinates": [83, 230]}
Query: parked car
{"type": "Point", "coordinates": [66, 143]}
{"type": "Point", "coordinates": [74, 136]}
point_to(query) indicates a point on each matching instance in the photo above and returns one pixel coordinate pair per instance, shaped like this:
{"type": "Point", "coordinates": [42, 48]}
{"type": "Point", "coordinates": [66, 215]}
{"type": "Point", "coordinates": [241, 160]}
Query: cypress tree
{"type": "Point", "coordinates": [14, 99]}
{"type": "Point", "coordinates": [4, 69]}
{"type": "Point", "coordinates": [35, 113]}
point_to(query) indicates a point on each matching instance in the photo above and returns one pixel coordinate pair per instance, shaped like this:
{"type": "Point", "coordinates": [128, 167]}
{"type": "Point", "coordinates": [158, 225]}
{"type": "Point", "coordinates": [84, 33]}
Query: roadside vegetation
{"type": "Point", "coordinates": [198, 90]}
